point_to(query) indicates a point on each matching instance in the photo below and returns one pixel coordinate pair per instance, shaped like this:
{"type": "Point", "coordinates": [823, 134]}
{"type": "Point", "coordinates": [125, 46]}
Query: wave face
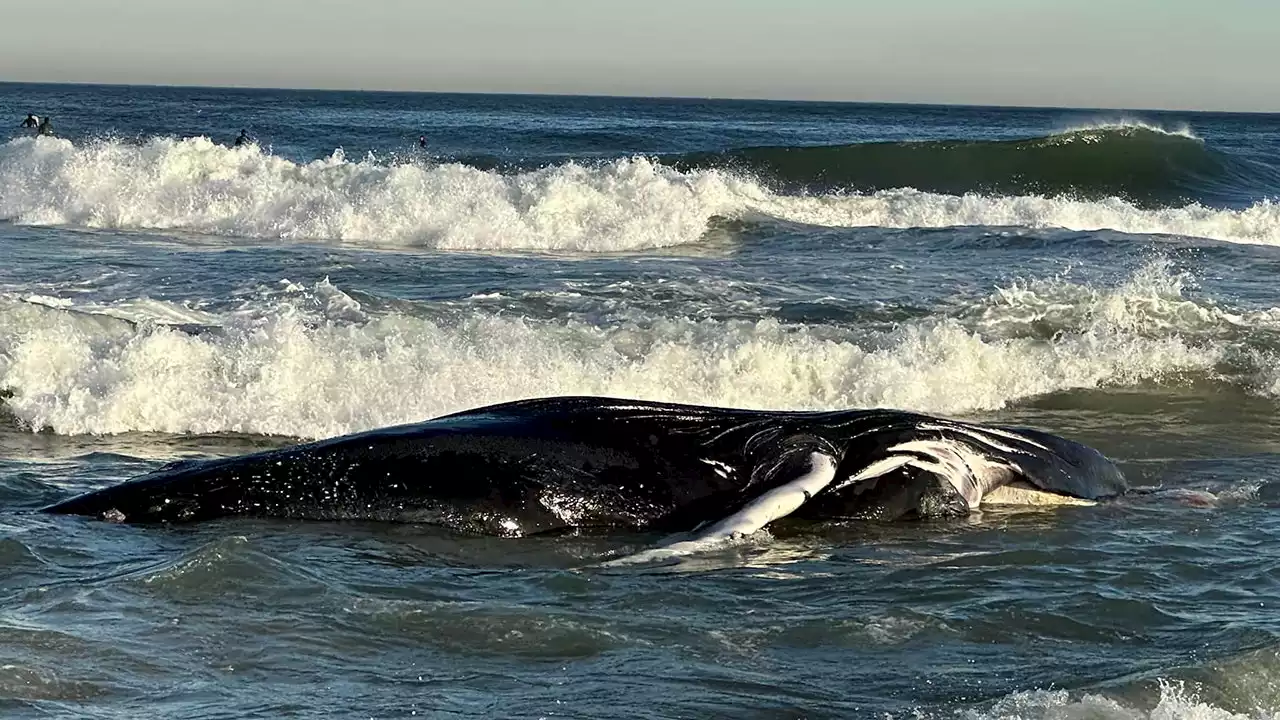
{"type": "Point", "coordinates": [313, 362]}
{"type": "Point", "coordinates": [1147, 166]}
{"type": "Point", "coordinates": [197, 186]}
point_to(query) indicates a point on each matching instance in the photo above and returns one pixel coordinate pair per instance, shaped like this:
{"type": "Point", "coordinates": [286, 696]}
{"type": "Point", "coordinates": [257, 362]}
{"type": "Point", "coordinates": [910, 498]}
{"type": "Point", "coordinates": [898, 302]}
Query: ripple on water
{"type": "Point", "coordinates": [233, 566]}
{"type": "Point", "coordinates": [40, 664]}
{"type": "Point", "coordinates": [886, 630]}
{"type": "Point", "coordinates": [474, 628]}
{"type": "Point", "coordinates": [34, 682]}
{"type": "Point", "coordinates": [16, 557]}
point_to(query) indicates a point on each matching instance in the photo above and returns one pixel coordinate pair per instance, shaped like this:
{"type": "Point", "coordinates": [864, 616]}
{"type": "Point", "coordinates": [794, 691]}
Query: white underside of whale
{"type": "Point", "coordinates": [969, 472]}
{"type": "Point", "coordinates": [1024, 495]}
{"type": "Point", "coordinates": [978, 479]}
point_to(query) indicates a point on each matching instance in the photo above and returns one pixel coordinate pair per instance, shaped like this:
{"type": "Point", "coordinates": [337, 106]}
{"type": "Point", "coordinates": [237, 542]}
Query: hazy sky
{"type": "Point", "coordinates": [1196, 54]}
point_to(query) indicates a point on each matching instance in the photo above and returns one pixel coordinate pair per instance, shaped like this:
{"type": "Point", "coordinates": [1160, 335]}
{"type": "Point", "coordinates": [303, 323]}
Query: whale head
{"type": "Point", "coordinates": [926, 467]}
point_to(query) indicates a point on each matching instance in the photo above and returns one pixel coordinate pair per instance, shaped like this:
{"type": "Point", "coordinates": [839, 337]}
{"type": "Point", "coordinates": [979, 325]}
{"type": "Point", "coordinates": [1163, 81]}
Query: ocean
{"type": "Point", "coordinates": [1107, 276]}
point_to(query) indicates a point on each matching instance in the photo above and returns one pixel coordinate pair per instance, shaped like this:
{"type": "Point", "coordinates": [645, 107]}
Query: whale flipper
{"type": "Point", "coordinates": [777, 503]}
{"type": "Point", "coordinates": [782, 500]}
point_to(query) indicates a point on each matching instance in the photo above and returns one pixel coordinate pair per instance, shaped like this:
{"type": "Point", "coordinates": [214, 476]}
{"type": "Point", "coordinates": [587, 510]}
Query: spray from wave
{"type": "Point", "coordinates": [315, 363]}
{"type": "Point", "coordinates": [195, 185]}
{"type": "Point", "coordinates": [1106, 124]}
{"type": "Point", "coordinates": [1175, 702]}
{"type": "Point", "coordinates": [1243, 687]}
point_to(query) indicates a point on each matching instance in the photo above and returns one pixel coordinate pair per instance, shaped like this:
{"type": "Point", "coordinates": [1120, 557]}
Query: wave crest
{"type": "Point", "coordinates": [316, 365]}
{"type": "Point", "coordinates": [197, 186]}
{"type": "Point", "coordinates": [1145, 165]}
{"type": "Point", "coordinates": [1126, 123]}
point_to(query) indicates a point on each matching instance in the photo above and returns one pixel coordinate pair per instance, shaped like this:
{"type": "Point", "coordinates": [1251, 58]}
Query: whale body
{"type": "Point", "coordinates": [591, 463]}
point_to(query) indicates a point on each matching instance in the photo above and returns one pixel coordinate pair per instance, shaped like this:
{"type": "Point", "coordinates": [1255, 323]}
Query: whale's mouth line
{"type": "Point", "coordinates": [1002, 467]}
{"type": "Point", "coordinates": [1023, 494]}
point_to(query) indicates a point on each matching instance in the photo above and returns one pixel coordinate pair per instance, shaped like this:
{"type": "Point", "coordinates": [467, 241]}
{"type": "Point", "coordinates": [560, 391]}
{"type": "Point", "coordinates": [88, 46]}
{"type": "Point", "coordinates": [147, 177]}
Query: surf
{"type": "Point", "coordinates": [312, 361]}
{"type": "Point", "coordinates": [1144, 165]}
{"type": "Point", "coordinates": [195, 186]}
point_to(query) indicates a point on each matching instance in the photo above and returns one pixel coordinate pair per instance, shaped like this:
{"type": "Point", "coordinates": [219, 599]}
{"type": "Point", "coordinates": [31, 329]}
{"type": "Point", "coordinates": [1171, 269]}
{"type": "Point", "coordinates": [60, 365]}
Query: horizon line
{"type": "Point", "coordinates": [724, 98]}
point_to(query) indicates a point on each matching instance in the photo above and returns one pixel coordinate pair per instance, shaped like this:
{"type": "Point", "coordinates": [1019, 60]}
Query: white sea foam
{"type": "Point", "coordinates": [195, 185]}
{"type": "Point", "coordinates": [1176, 702]}
{"type": "Point", "coordinates": [1128, 123]}
{"type": "Point", "coordinates": [318, 365]}
{"type": "Point", "coordinates": [1154, 301]}
{"type": "Point", "coordinates": [1256, 224]}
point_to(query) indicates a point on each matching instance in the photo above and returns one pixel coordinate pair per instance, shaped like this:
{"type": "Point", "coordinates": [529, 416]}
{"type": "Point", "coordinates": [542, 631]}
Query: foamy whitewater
{"type": "Point", "coordinates": [1110, 278]}
{"type": "Point", "coordinates": [311, 363]}
{"type": "Point", "coordinates": [627, 204]}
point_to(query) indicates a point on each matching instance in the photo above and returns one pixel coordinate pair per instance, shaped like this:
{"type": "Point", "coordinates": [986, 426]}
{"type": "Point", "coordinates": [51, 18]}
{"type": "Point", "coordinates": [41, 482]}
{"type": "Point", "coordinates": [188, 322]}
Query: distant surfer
{"type": "Point", "coordinates": [45, 127]}
{"type": "Point", "coordinates": [244, 138]}
{"type": "Point", "coordinates": [422, 141]}
{"type": "Point", "coordinates": [32, 121]}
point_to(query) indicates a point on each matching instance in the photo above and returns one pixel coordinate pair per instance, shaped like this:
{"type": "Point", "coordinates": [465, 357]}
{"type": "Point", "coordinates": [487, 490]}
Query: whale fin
{"type": "Point", "coordinates": [780, 501]}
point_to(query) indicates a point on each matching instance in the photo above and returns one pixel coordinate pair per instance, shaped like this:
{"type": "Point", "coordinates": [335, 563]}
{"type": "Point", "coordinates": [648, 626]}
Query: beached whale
{"type": "Point", "coordinates": [591, 463]}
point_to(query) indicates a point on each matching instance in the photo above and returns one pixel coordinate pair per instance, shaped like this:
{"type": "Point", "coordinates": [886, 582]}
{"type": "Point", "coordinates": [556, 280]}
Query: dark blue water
{"type": "Point", "coordinates": [1106, 276]}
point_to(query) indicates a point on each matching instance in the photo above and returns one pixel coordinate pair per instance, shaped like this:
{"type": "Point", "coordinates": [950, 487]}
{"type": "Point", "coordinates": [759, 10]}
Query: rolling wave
{"type": "Point", "coordinates": [1147, 166]}
{"type": "Point", "coordinates": [194, 185]}
{"type": "Point", "coordinates": [1239, 687]}
{"type": "Point", "coordinates": [315, 363]}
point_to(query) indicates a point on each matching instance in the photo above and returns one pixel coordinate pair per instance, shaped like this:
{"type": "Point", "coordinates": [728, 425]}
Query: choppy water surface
{"type": "Point", "coordinates": [1106, 276]}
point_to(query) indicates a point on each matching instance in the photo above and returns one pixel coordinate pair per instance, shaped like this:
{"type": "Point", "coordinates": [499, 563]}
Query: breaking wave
{"type": "Point", "coordinates": [1175, 702]}
{"type": "Point", "coordinates": [315, 363]}
{"type": "Point", "coordinates": [1147, 166]}
{"type": "Point", "coordinates": [1242, 687]}
{"type": "Point", "coordinates": [197, 186]}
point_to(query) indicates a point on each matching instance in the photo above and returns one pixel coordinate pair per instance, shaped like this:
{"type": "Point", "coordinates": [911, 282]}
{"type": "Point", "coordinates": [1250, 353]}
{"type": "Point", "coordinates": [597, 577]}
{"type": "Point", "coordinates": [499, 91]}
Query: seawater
{"type": "Point", "coordinates": [1108, 276]}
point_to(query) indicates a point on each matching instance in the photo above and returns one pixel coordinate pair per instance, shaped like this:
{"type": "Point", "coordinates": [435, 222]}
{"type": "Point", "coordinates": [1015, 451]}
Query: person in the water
{"type": "Point", "coordinates": [31, 121]}
{"type": "Point", "coordinates": [422, 141]}
{"type": "Point", "coordinates": [45, 127]}
{"type": "Point", "coordinates": [244, 138]}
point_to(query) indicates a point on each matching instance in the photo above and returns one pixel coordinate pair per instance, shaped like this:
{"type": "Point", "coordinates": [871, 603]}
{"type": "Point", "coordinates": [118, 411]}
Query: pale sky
{"type": "Point", "coordinates": [1184, 54]}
